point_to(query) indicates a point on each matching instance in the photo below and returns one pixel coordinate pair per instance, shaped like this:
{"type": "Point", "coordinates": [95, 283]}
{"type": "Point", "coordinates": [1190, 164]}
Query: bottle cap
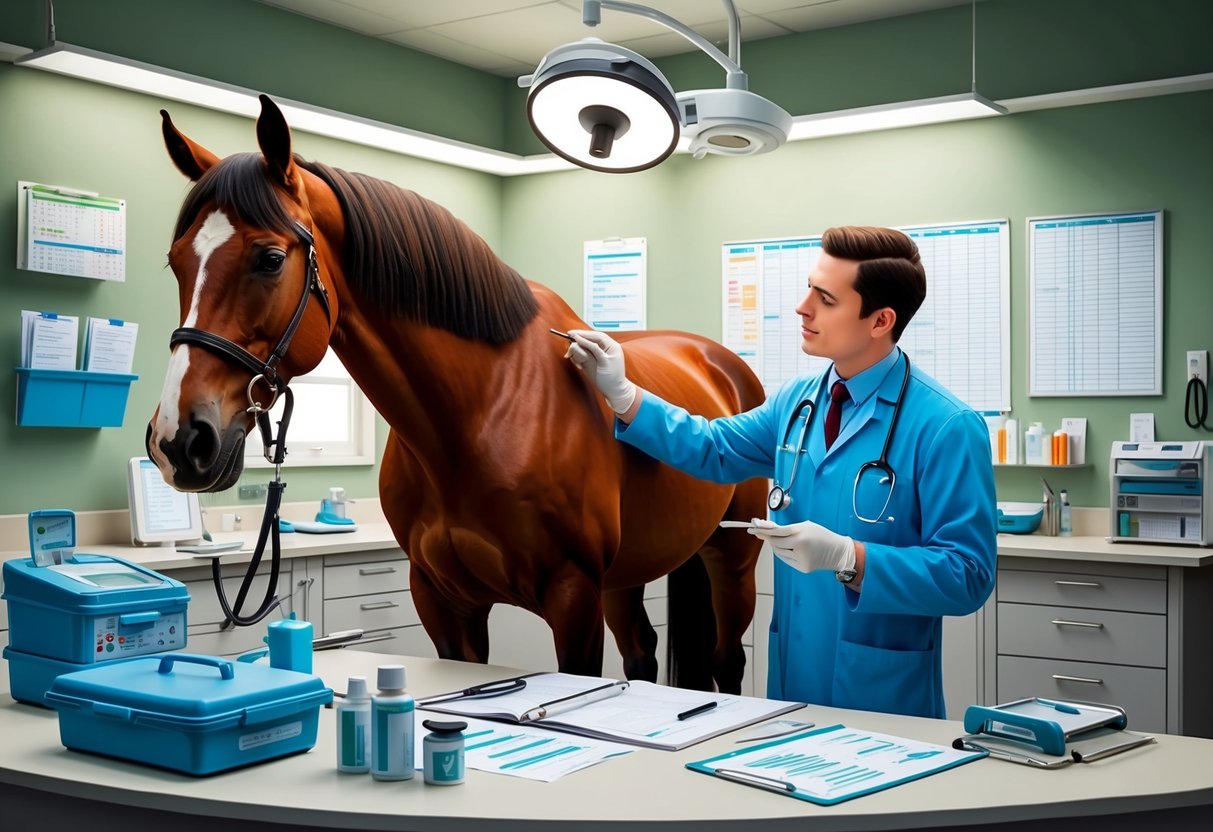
{"type": "Point", "coordinates": [336, 493]}
{"type": "Point", "coordinates": [444, 728]}
{"type": "Point", "coordinates": [391, 677]}
{"type": "Point", "coordinates": [355, 689]}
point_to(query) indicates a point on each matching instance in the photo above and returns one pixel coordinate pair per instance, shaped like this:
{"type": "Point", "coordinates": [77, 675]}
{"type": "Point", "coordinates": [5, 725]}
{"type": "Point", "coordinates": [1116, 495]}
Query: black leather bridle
{"type": "Point", "coordinates": [274, 448]}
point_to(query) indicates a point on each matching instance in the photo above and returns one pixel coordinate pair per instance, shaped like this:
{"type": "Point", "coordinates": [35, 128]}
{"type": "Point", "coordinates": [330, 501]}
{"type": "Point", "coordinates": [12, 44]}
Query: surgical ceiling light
{"type": "Point", "coordinates": [607, 108]}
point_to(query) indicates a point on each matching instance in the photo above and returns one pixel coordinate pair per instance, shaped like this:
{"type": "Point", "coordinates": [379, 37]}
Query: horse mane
{"type": "Point", "coordinates": [403, 253]}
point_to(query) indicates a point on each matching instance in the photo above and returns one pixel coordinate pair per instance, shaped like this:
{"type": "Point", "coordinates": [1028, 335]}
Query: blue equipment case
{"type": "Point", "coordinates": [89, 610]}
{"type": "Point", "coordinates": [194, 714]}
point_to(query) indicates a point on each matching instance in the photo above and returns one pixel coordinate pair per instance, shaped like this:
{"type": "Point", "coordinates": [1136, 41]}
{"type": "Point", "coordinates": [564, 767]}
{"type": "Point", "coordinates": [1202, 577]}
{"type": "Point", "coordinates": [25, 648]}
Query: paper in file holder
{"type": "Point", "coordinates": [1048, 732]}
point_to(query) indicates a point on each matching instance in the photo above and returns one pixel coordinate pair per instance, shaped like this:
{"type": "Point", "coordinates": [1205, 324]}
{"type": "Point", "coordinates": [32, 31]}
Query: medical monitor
{"type": "Point", "coordinates": [160, 514]}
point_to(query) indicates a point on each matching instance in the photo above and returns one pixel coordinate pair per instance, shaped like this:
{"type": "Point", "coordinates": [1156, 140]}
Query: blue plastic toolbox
{"type": "Point", "coordinates": [189, 713]}
{"type": "Point", "coordinates": [93, 608]}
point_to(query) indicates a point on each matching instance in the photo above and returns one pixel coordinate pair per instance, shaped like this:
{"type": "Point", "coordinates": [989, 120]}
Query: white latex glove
{"type": "Point", "coordinates": [600, 357]}
{"type": "Point", "coordinates": [806, 546]}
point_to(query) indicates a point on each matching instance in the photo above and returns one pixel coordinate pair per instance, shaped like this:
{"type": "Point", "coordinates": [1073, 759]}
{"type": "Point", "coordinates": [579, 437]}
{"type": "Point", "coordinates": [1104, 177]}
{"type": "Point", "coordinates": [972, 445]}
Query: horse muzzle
{"type": "Point", "coordinates": [202, 456]}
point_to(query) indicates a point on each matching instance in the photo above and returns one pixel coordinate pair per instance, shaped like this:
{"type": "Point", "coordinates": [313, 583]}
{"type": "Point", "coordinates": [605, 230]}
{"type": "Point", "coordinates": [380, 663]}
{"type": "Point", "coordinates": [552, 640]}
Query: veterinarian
{"type": "Point", "coordinates": [882, 506]}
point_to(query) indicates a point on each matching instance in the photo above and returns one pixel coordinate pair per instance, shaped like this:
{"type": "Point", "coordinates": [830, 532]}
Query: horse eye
{"type": "Point", "coordinates": [269, 262]}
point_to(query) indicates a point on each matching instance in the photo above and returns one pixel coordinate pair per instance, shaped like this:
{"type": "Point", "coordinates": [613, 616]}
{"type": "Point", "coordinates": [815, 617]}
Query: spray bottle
{"type": "Point", "coordinates": [392, 731]}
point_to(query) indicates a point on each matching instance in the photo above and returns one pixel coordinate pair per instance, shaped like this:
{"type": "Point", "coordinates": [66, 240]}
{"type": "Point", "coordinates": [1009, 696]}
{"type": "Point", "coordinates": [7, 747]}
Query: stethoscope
{"type": "Point", "coordinates": [781, 497]}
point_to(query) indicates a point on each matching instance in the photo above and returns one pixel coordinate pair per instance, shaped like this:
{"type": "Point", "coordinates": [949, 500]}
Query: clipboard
{"type": "Point", "coordinates": [1047, 724]}
{"type": "Point", "coordinates": [834, 764]}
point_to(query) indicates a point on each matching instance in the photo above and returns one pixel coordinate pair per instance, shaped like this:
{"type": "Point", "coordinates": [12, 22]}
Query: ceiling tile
{"type": "Point", "coordinates": [803, 18]}
{"type": "Point", "coordinates": [415, 14]}
{"type": "Point", "coordinates": [669, 43]}
{"type": "Point", "coordinates": [426, 41]}
{"type": "Point", "coordinates": [339, 14]}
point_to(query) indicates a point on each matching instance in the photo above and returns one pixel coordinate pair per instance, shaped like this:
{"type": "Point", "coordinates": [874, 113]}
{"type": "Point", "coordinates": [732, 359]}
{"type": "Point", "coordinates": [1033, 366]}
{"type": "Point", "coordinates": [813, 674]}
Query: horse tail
{"type": "Point", "coordinates": [691, 638]}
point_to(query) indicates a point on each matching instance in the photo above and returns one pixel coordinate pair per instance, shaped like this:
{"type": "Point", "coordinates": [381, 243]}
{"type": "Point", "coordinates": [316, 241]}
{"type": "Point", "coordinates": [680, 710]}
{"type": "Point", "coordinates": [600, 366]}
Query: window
{"type": "Point", "coordinates": [332, 424]}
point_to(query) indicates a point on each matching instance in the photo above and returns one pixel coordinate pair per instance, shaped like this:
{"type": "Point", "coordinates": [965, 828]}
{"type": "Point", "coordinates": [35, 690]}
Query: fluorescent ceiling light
{"type": "Point", "coordinates": [889, 116]}
{"type": "Point", "coordinates": [166, 83]}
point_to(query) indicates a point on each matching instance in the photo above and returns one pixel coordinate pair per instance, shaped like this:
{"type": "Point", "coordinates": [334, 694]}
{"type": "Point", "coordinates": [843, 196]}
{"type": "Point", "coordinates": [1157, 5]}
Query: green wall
{"type": "Point", "coordinates": [1149, 153]}
{"type": "Point", "coordinates": [1130, 155]}
{"type": "Point", "coordinates": [107, 140]}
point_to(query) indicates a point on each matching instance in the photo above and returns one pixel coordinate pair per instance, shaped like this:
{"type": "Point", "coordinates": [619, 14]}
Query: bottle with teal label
{"type": "Point", "coordinates": [442, 752]}
{"type": "Point", "coordinates": [392, 732]}
{"type": "Point", "coordinates": [354, 727]}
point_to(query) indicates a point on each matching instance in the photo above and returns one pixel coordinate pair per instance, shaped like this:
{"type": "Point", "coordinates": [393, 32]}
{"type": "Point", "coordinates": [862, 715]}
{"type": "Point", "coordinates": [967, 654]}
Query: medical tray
{"type": "Point", "coordinates": [190, 713]}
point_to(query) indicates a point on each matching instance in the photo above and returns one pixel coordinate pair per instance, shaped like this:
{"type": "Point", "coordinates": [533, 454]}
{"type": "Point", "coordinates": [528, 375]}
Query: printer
{"type": "Point", "coordinates": [1160, 493]}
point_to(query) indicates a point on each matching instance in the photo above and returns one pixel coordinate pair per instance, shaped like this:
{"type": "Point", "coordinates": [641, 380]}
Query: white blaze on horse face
{"type": "Point", "coordinates": [215, 231]}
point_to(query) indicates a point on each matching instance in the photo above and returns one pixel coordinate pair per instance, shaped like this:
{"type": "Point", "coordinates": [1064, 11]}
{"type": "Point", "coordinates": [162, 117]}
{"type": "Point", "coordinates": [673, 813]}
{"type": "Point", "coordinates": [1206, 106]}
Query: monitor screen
{"type": "Point", "coordinates": [159, 512]}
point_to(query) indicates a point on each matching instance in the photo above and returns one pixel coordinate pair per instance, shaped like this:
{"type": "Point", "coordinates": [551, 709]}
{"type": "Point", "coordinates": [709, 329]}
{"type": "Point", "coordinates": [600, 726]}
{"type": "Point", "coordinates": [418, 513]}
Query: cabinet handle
{"type": "Point", "coordinates": [378, 605]}
{"type": "Point", "coordinates": [1063, 678]}
{"type": "Point", "coordinates": [1078, 583]}
{"type": "Point", "coordinates": [384, 637]}
{"type": "Point", "coordinates": [377, 570]}
{"type": "Point", "coordinates": [1061, 622]}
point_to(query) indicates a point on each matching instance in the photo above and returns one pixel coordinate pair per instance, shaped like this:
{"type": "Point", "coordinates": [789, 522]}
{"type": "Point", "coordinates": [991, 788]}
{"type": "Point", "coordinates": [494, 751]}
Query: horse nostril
{"type": "Point", "coordinates": [201, 445]}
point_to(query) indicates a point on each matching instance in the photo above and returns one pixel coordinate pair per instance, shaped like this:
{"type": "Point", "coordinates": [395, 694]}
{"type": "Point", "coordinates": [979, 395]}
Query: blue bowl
{"type": "Point", "coordinates": [1020, 518]}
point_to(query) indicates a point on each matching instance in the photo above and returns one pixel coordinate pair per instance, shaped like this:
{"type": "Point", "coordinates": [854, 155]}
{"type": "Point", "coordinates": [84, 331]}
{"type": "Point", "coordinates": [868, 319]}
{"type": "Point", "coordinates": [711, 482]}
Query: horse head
{"type": "Point", "coordinates": [252, 269]}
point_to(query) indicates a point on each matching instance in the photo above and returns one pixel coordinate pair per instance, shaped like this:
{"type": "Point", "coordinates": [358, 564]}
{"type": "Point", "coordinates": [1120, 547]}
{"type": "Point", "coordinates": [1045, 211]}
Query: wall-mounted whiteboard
{"type": "Point", "coordinates": [615, 272]}
{"type": "Point", "coordinates": [64, 231]}
{"type": "Point", "coordinates": [1095, 305]}
{"type": "Point", "coordinates": [960, 336]}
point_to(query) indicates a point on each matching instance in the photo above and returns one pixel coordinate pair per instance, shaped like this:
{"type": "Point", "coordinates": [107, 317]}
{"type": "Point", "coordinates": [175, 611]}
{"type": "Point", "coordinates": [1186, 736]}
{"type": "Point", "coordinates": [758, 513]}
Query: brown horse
{"type": "Point", "coordinates": [501, 478]}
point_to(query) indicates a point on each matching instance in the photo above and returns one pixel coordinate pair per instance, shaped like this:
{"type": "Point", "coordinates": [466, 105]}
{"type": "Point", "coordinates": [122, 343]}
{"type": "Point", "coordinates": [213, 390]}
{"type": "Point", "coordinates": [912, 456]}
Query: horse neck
{"type": "Point", "coordinates": [429, 385]}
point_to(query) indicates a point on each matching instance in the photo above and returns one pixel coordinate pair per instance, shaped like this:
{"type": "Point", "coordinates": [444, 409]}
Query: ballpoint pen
{"type": "Point", "coordinates": [563, 335]}
{"type": "Point", "coordinates": [576, 700]}
{"type": "Point", "coordinates": [697, 710]}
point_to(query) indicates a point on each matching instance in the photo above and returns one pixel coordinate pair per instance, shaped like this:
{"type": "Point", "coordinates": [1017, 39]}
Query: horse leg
{"type": "Point", "coordinates": [729, 559]}
{"type": "Point", "coordinates": [459, 631]}
{"type": "Point", "coordinates": [572, 607]}
{"type": "Point", "coordinates": [634, 634]}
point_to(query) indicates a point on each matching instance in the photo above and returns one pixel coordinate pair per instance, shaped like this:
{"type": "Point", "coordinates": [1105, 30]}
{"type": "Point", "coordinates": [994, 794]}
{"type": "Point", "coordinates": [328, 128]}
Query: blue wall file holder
{"type": "Point", "coordinates": [71, 398]}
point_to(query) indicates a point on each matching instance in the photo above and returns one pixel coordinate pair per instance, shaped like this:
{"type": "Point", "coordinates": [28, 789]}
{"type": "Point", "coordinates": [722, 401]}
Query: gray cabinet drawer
{"type": "Point", "coordinates": [366, 578]}
{"type": "Point", "coordinates": [382, 611]}
{"type": "Point", "coordinates": [204, 604]}
{"type": "Point", "coordinates": [228, 642]}
{"type": "Point", "coordinates": [402, 641]}
{"type": "Point", "coordinates": [1141, 691]}
{"type": "Point", "coordinates": [1080, 590]}
{"type": "Point", "coordinates": [1082, 635]}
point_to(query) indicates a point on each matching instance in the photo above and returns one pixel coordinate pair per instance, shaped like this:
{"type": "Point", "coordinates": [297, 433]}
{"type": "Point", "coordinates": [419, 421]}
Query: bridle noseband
{"type": "Point", "coordinates": [266, 371]}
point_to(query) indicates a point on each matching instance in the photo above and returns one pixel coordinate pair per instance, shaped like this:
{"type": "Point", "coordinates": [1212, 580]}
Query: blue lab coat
{"type": "Point", "coordinates": [878, 649]}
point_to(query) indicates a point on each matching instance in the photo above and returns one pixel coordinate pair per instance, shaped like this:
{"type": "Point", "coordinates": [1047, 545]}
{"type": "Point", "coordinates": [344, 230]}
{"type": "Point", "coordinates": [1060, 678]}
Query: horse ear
{"type": "Point", "coordinates": [274, 136]}
{"type": "Point", "coordinates": [191, 159]}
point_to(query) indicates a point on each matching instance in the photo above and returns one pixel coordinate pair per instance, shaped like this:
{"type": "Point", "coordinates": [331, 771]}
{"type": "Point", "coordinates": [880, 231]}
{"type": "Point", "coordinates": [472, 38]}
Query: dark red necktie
{"type": "Point", "coordinates": [838, 395]}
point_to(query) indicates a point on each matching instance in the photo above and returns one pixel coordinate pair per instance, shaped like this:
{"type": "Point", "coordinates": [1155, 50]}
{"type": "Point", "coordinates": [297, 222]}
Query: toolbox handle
{"type": "Point", "coordinates": [224, 666]}
{"type": "Point", "coordinates": [130, 618]}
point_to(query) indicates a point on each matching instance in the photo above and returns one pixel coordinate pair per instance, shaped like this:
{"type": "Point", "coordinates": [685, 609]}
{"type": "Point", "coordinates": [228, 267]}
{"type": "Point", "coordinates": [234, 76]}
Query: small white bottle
{"type": "Point", "coordinates": [1032, 449]}
{"type": "Point", "coordinates": [1012, 441]}
{"type": "Point", "coordinates": [354, 727]}
{"type": "Point", "coordinates": [392, 731]}
{"type": "Point", "coordinates": [1065, 526]}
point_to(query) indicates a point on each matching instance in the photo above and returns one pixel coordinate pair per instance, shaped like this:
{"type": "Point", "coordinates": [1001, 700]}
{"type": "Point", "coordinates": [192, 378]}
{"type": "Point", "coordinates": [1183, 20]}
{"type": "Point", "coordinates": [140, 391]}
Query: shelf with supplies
{"type": "Point", "coordinates": [1042, 465]}
{"type": "Point", "coordinates": [71, 398]}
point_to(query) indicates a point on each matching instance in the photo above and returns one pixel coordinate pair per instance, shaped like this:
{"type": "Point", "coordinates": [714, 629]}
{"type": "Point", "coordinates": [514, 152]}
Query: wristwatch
{"type": "Point", "coordinates": [845, 576]}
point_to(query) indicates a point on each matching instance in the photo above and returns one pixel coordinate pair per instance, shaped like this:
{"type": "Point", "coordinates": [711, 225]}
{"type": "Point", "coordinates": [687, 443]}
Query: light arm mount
{"type": "Point", "coordinates": [735, 79]}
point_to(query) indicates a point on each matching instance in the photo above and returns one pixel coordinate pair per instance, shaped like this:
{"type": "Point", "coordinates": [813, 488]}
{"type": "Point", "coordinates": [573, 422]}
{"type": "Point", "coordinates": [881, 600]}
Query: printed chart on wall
{"type": "Point", "coordinates": [615, 283]}
{"type": "Point", "coordinates": [960, 336]}
{"type": "Point", "coordinates": [63, 231]}
{"type": "Point", "coordinates": [1095, 305]}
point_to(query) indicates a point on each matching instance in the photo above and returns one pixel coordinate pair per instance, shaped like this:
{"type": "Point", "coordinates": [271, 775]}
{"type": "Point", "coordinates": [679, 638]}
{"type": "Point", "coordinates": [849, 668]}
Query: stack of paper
{"type": "Point", "coordinates": [109, 345]}
{"type": "Point", "coordinates": [48, 340]}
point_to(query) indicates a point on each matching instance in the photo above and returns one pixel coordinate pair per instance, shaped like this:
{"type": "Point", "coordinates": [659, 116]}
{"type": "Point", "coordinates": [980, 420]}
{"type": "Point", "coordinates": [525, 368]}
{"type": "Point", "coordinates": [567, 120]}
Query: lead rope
{"type": "Point", "coordinates": [269, 521]}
